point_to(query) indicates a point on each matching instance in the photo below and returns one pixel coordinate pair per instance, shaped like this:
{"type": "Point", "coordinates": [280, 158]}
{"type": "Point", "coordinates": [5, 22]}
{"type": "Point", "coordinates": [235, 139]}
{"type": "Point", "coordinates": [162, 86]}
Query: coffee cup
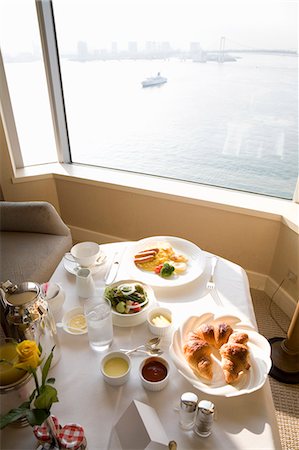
{"type": "Point", "coordinates": [85, 253]}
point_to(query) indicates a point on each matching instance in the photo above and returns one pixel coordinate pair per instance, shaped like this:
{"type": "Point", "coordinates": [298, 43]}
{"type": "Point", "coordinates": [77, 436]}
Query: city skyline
{"type": "Point", "coordinates": [268, 24]}
{"type": "Point", "coordinates": [147, 50]}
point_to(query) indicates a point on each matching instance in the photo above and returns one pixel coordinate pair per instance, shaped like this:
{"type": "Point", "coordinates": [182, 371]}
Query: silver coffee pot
{"type": "Point", "coordinates": [25, 315]}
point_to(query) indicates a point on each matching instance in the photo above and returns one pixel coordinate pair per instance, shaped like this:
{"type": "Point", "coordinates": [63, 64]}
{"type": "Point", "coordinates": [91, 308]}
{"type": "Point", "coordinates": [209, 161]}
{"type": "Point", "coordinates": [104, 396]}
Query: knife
{"type": "Point", "coordinates": [113, 269]}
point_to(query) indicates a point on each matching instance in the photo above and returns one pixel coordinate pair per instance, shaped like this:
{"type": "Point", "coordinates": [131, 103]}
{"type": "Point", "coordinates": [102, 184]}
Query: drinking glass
{"type": "Point", "coordinates": [98, 315]}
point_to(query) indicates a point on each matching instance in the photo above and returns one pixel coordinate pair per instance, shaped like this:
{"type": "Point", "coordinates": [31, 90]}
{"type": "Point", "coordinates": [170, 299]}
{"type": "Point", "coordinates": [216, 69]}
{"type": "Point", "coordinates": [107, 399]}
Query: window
{"type": "Point", "coordinates": [26, 79]}
{"type": "Point", "coordinates": [227, 114]}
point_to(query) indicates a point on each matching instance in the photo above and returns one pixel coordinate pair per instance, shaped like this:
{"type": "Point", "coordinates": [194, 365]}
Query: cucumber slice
{"type": "Point", "coordinates": [121, 307]}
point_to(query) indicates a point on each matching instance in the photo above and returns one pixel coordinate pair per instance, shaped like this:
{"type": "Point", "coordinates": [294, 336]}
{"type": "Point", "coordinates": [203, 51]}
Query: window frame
{"type": "Point", "coordinates": [47, 30]}
{"type": "Point", "coordinates": [46, 23]}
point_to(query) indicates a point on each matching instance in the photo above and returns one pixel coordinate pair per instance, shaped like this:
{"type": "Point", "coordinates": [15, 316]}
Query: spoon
{"type": "Point", "coordinates": [152, 352]}
{"type": "Point", "coordinates": [151, 344]}
{"type": "Point", "coordinates": [98, 262]}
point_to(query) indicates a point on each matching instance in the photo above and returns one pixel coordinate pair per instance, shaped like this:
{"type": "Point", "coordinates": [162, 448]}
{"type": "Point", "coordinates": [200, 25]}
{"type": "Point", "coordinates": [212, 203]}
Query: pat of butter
{"type": "Point", "coordinates": [77, 322]}
{"type": "Point", "coordinates": [160, 321]}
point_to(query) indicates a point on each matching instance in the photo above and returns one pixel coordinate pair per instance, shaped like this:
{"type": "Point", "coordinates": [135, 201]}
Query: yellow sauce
{"type": "Point", "coordinates": [77, 322]}
{"type": "Point", "coordinates": [116, 367]}
{"type": "Point", "coordinates": [160, 321]}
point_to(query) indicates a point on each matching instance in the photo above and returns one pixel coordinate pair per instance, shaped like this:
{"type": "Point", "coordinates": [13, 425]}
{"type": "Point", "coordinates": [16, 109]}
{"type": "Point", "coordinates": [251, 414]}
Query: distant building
{"type": "Point", "coordinates": [165, 46]}
{"type": "Point", "coordinates": [195, 47]}
{"type": "Point", "coordinates": [132, 47]}
{"type": "Point", "coordinates": [114, 48]}
{"type": "Point", "coordinates": [82, 50]}
{"type": "Point", "coordinates": [150, 46]}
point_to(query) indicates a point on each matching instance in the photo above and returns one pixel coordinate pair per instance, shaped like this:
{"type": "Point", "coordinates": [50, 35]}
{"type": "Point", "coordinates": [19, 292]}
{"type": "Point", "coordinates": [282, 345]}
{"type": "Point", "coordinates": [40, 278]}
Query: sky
{"type": "Point", "coordinates": [245, 23]}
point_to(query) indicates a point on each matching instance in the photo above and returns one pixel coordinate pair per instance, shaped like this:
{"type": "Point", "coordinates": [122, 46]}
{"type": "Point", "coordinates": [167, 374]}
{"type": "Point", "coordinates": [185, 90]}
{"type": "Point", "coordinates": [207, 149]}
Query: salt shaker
{"type": "Point", "coordinates": [204, 418]}
{"type": "Point", "coordinates": [188, 406]}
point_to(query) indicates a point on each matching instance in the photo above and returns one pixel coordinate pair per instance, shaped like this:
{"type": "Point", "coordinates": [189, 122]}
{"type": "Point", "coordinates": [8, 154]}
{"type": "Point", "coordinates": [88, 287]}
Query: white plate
{"type": "Point", "coordinates": [195, 265]}
{"type": "Point", "coordinates": [66, 318]}
{"type": "Point", "coordinates": [72, 267]}
{"type": "Point", "coordinates": [250, 381]}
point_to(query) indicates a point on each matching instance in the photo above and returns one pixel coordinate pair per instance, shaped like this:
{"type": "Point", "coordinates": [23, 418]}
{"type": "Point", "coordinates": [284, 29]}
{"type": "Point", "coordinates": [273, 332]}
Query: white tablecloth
{"type": "Point", "coordinates": [244, 422]}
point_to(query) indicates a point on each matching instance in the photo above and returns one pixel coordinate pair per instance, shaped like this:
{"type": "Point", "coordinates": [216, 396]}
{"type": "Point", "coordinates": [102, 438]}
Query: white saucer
{"type": "Point", "coordinates": [72, 267]}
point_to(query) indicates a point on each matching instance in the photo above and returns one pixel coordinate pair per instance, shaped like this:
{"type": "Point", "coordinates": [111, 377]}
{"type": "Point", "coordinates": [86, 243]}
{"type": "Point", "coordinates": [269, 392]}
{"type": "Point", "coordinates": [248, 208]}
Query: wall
{"type": "Point", "coordinates": [286, 257]}
{"type": "Point", "coordinates": [244, 239]}
{"type": "Point", "coordinates": [44, 189]}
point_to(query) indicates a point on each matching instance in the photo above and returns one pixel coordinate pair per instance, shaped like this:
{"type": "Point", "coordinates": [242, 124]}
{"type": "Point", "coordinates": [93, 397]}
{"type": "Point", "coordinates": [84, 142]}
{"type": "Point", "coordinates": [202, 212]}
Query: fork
{"type": "Point", "coordinates": [211, 282]}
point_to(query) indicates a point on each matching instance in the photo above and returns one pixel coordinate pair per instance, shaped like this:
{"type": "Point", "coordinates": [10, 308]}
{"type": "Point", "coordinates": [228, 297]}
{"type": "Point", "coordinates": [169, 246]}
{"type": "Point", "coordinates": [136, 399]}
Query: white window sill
{"type": "Point", "coordinates": [225, 199]}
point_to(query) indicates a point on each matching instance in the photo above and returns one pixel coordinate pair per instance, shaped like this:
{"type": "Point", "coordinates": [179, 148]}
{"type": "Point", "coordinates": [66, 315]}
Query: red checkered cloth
{"type": "Point", "coordinates": [42, 433]}
{"type": "Point", "coordinates": [47, 446]}
{"type": "Point", "coordinates": [71, 436]}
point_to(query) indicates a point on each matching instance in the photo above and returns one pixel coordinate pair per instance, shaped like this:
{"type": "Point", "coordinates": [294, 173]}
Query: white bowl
{"type": "Point", "coordinates": [130, 320]}
{"type": "Point", "coordinates": [154, 385]}
{"type": "Point", "coordinates": [116, 380]}
{"type": "Point", "coordinates": [161, 330]}
{"type": "Point", "coordinates": [68, 316]}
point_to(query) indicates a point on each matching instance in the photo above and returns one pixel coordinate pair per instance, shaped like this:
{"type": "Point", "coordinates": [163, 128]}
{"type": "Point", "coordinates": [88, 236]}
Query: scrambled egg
{"type": "Point", "coordinates": [161, 257]}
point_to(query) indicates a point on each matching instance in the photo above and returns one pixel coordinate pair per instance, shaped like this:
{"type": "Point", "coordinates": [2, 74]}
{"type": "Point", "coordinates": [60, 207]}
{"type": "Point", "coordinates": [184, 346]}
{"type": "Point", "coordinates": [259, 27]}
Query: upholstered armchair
{"type": "Point", "coordinates": [33, 239]}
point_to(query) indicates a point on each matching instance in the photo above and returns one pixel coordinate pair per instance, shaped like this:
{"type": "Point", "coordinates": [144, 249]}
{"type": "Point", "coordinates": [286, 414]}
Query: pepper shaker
{"type": "Point", "coordinates": [188, 406]}
{"type": "Point", "coordinates": [204, 418]}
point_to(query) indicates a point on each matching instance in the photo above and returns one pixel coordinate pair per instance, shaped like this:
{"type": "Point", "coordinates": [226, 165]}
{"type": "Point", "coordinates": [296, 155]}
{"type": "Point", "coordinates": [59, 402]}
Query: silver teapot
{"type": "Point", "coordinates": [25, 315]}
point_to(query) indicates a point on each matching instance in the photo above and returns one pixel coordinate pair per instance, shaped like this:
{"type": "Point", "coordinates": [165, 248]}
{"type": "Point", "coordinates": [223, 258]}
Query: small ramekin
{"type": "Point", "coordinates": [116, 380]}
{"type": "Point", "coordinates": [154, 329]}
{"type": "Point", "coordinates": [154, 385]}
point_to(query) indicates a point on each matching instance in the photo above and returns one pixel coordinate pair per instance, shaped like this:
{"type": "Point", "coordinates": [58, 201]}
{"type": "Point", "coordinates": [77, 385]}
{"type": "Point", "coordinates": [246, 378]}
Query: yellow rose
{"type": "Point", "coordinates": [28, 355]}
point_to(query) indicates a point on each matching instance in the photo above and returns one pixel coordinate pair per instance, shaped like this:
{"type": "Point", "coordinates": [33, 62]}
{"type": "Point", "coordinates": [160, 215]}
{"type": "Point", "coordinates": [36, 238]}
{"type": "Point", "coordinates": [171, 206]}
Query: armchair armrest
{"type": "Point", "coordinates": [32, 217]}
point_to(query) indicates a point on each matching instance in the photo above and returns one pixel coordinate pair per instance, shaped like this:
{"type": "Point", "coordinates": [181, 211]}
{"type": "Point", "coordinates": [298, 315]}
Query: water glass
{"type": "Point", "coordinates": [98, 315]}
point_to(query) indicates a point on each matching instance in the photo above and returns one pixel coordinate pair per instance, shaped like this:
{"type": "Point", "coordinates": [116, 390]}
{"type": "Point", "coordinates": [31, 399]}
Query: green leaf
{"type": "Point", "coordinates": [32, 396]}
{"type": "Point", "coordinates": [25, 405]}
{"type": "Point", "coordinates": [46, 367]}
{"type": "Point", "coordinates": [51, 380]}
{"type": "Point", "coordinates": [37, 416]}
{"type": "Point", "coordinates": [47, 396]}
{"type": "Point", "coordinates": [12, 416]}
{"type": "Point", "coordinates": [40, 348]}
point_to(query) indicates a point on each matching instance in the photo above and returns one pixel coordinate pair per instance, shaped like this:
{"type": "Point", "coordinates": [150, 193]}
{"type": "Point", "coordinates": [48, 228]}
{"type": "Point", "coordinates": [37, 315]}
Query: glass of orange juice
{"type": "Point", "coordinates": [8, 357]}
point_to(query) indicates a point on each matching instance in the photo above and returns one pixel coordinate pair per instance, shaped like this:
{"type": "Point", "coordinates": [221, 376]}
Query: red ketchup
{"type": "Point", "coordinates": [154, 371]}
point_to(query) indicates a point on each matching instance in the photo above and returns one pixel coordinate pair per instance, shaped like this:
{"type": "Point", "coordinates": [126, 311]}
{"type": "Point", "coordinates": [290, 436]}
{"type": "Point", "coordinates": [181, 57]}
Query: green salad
{"type": "Point", "coordinates": [127, 298]}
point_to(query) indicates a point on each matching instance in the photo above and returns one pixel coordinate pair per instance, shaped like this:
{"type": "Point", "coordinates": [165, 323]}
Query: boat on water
{"type": "Point", "coordinates": [153, 81]}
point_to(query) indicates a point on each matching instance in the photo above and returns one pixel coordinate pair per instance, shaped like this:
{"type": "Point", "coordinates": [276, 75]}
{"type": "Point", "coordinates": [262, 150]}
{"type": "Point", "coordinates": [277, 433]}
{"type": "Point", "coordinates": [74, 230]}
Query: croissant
{"type": "Point", "coordinates": [198, 355]}
{"type": "Point", "coordinates": [215, 335]}
{"type": "Point", "coordinates": [238, 338]}
{"type": "Point", "coordinates": [234, 357]}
